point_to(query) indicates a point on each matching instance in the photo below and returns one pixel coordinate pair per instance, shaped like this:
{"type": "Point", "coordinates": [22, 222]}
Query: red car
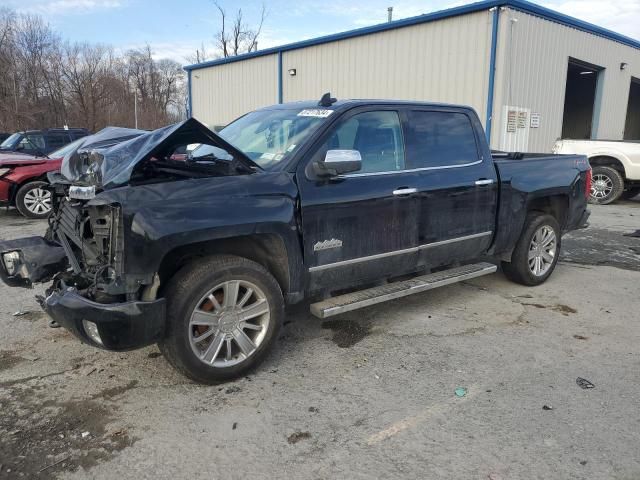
{"type": "Point", "coordinates": [22, 178]}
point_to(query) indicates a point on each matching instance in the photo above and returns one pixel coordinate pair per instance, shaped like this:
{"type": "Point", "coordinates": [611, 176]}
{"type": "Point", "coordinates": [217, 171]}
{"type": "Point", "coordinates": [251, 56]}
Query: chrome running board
{"type": "Point", "coordinates": [371, 296]}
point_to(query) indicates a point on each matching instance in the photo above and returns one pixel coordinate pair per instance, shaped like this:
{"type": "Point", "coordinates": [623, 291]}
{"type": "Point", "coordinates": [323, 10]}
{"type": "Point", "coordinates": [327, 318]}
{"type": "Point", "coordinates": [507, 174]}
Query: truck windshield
{"type": "Point", "coordinates": [267, 137]}
{"type": "Point", "coordinates": [10, 141]}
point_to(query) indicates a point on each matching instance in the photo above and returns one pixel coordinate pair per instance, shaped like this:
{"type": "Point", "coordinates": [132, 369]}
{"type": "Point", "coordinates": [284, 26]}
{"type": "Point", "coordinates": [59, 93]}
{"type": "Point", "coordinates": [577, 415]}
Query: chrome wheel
{"type": "Point", "coordinates": [229, 323]}
{"type": "Point", "coordinates": [38, 201]}
{"type": "Point", "coordinates": [601, 186]}
{"type": "Point", "coordinates": [542, 250]}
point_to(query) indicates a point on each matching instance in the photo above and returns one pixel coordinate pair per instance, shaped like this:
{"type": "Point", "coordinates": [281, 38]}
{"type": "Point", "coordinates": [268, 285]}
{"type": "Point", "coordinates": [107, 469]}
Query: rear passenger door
{"type": "Point", "coordinates": [457, 186]}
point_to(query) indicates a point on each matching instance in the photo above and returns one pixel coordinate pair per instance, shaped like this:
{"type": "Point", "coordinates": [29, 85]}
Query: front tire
{"type": "Point", "coordinates": [33, 200]}
{"type": "Point", "coordinates": [223, 315]}
{"type": "Point", "coordinates": [537, 251]}
{"type": "Point", "coordinates": [607, 185]}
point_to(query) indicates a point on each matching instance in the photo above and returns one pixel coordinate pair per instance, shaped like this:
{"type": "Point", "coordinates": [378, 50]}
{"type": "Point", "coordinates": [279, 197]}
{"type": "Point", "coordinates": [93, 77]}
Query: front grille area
{"type": "Point", "coordinates": [91, 236]}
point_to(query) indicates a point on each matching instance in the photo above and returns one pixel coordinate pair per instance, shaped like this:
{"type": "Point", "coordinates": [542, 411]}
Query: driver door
{"type": "Point", "coordinates": [360, 227]}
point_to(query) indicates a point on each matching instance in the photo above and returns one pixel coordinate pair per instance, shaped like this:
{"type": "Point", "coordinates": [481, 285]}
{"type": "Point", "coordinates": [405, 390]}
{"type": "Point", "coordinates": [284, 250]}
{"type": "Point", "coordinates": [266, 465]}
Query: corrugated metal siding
{"type": "Point", "coordinates": [441, 61]}
{"type": "Point", "coordinates": [533, 55]}
{"type": "Point", "coordinates": [224, 92]}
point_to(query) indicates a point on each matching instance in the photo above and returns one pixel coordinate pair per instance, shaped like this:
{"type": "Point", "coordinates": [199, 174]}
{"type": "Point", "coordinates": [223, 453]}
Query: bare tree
{"type": "Point", "coordinates": [46, 82]}
{"type": "Point", "coordinates": [234, 36]}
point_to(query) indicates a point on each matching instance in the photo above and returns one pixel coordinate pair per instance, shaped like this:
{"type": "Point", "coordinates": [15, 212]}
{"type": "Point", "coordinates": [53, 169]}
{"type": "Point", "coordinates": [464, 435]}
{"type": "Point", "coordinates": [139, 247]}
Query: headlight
{"type": "Point", "coordinates": [3, 171]}
{"type": "Point", "coordinates": [82, 193]}
{"type": "Point", "coordinates": [11, 262]}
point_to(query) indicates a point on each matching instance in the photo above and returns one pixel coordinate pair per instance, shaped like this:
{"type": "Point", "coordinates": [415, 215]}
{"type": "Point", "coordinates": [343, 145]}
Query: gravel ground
{"type": "Point", "coordinates": [368, 395]}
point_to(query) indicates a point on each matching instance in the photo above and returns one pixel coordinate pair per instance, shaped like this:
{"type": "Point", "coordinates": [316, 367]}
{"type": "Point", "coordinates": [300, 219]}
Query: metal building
{"type": "Point", "coordinates": [532, 74]}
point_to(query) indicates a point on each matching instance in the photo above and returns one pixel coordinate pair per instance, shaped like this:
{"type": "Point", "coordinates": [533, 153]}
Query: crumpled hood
{"type": "Point", "coordinates": [18, 159]}
{"type": "Point", "coordinates": [105, 163]}
{"type": "Point", "coordinates": [76, 163]}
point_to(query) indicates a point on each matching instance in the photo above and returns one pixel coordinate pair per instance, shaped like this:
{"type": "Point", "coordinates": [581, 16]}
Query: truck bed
{"type": "Point", "coordinates": [526, 178]}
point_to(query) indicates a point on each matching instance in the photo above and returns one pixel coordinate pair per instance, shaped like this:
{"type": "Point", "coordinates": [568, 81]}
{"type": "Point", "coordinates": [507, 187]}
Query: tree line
{"type": "Point", "coordinates": [46, 81]}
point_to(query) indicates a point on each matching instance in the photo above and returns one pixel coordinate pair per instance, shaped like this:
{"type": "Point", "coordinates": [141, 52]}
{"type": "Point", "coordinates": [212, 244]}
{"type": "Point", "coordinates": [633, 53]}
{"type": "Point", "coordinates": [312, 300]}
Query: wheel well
{"type": "Point", "coordinates": [14, 191]}
{"type": "Point", "coordinates": [267, 250]}
{"type": "Point", "coordinates": [555, 205]}
{"type": "Point", "coordinates": [608, 162]}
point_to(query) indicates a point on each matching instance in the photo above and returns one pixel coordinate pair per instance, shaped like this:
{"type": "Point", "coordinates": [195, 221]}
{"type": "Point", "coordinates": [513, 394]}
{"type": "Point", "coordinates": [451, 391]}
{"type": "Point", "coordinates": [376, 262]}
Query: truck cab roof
{"type": "Point", "coordinates": [339, 105]}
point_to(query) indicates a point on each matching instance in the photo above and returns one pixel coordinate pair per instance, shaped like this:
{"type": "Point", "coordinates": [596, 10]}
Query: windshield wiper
{"type": "Point", "coordinates": [208, 157]}
{"type": "Point", "coordinates": [212, 159]}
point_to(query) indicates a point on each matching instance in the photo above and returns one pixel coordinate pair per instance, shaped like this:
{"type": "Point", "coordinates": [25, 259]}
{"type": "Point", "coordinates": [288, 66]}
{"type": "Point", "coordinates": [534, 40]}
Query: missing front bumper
{"type": "Point", "coordinates": [120, 326]}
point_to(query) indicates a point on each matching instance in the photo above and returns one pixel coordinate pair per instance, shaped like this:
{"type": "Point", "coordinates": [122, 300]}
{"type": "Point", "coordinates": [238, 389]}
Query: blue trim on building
{"type": "Point", "coordinates": [189, 105]}
{"type": "Point", "coordinates": [280, 76]}
{"type": "Point", "coordinates": [492, 71]}
{"type": "Point", "coordinates": [521, 5]}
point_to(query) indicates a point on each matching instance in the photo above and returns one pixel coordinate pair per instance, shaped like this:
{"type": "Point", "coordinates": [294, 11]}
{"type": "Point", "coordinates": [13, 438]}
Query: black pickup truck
{"type": "Point", "coordinates": [346, 203]}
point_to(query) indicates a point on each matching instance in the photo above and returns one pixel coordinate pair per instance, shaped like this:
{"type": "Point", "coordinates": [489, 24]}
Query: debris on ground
{"type": "Point", "coordinates": [233, 389]}
{"type": "Point", "coordinates": [460, 392]}
{"type": "Point", "coordinates": [234, 426]}
{"type": "Point", "coordinates": [584, 383]}
{"type": "Point", "coordinates": [313, 409]}
{"type": "Point", "coordinates": [547, 407]}
{"type": "Point", "coordinates": [52, 465]}
{"type": "Point", "coordinates": [635, 234]}
{"type": "Point", "coordinates": [89, 370]}
{"type": "Point", "coordinates": [580, 337]}
{"type": "Point", "coordinates": [20, 313]}
{"type": "Point", "coordinates": [31, 358]}
{"type": "Point", "coordinates": [85, 434]}
{"type": "Point", "coordinates": [295, 437]}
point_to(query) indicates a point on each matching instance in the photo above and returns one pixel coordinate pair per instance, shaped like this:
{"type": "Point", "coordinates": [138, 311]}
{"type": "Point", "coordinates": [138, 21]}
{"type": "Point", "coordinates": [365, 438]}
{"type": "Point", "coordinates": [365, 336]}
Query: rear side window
{"type": "Point", "coordinates": [376, 135]}
{"type": "Point", "coordinates": [57, 140]}
{"type": "Point", "coordinates": [440, 139]}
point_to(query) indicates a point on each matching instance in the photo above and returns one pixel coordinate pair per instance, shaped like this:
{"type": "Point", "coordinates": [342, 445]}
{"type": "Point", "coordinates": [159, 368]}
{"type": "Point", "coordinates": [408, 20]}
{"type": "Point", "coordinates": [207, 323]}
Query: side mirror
{"type": "Point", "coordinates": [338, 162]}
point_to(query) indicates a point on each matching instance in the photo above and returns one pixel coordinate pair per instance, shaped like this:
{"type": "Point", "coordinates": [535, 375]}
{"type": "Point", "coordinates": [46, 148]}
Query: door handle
{"type": "Point", "coordinates": [405, 191]}
{"type": "Point", "coordinates": [484, 181]}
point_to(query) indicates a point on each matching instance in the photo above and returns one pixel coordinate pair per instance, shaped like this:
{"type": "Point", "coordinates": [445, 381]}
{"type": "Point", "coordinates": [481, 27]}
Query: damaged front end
{"type": "Point", "coordinates": [83, 252]}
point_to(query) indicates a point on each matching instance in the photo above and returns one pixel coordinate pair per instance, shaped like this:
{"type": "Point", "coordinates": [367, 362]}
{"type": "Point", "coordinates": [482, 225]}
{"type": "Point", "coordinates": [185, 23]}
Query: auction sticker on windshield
{"type": "Point", "coordinates": [315, 112]}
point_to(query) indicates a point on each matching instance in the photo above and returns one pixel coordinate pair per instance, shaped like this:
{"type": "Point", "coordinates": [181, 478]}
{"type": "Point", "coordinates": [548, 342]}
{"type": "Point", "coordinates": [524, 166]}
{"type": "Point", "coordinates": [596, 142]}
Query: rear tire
{"type": "Point", "coordinates": [607, 185]}
{"type": "Point", "coordinates": [213, 332]}
{"type": "Point", "coordinates": [540, 239]}
{"type": "Point", "coordinates": [33, 201]}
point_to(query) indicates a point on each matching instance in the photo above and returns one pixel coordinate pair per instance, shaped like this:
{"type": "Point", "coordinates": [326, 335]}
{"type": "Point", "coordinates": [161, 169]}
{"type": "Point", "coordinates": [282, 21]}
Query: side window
{"type": "Point", "coordinates": [376, 135]}
{"type": "Point", "coordinates": [35, 141]}
{"type": "Point", "coordinates": [32, 142]}
{"type": "Point", "coordinates": [57, 140]}
{"type": "Point", "coordinates": [439, 139]}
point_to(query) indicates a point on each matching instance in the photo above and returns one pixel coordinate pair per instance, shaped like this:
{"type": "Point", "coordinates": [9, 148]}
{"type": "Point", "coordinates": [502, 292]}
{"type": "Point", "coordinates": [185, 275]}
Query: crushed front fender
{"type": "Point", "coordinates": [37, 260]}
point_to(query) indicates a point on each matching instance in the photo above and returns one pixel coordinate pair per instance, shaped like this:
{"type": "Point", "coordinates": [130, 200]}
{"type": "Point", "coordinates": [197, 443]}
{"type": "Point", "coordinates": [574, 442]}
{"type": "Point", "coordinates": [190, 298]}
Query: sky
{"type": "Point", "coordinates": [174, 29]}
